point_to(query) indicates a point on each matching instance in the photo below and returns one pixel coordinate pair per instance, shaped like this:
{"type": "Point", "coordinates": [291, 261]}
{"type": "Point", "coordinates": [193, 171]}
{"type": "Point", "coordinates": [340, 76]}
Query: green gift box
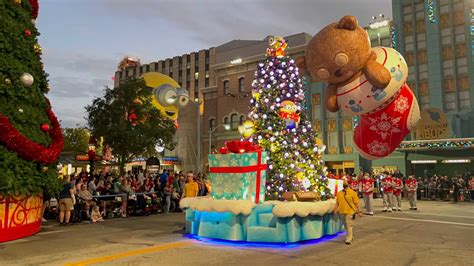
{"type": "Point", "coordinates": [239, 176]}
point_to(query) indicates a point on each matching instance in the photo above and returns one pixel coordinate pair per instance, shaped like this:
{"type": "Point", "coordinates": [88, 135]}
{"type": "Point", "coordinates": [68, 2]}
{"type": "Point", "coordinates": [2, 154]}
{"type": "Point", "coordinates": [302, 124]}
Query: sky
{"type": "Point", "coordinates": [83, 41]}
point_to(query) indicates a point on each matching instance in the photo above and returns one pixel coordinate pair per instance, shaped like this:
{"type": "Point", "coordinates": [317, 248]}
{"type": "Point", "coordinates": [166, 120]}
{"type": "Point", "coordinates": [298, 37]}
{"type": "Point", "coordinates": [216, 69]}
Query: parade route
{"type": "Point", "coordinates": [438, 233]}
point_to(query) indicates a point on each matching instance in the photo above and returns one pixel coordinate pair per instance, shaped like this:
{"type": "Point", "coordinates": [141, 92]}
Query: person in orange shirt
{"type": "Point", "coordinates": [191, 188]}
{"type": "Point", "coordinates": [347, 205]}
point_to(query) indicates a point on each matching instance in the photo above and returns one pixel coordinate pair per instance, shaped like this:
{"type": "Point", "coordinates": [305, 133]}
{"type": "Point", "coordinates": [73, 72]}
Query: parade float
{"type": "Point", "coordinates": [270, 186]}
{"type": "Point", "coordinates": [30, 137]}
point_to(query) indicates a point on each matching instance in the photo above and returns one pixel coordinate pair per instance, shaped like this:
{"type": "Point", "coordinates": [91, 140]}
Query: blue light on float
{"type": "Point", "coordinates": [213, 241]}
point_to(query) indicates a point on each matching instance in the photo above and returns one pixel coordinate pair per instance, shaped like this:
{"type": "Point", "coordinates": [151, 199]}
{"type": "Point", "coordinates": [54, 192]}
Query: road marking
{"type": "Point", "coordinates": [422, 220]}
{"type": "Point", "coordinates": [440, 215]}
{"type": "Point", "coordinates": [130, 253]}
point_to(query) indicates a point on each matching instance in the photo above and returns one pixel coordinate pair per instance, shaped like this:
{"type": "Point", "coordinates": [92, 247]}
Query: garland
{"type": "Point", "coordinates": [34, 8]}
{"type": "Point", "coordinates": [30, 150]}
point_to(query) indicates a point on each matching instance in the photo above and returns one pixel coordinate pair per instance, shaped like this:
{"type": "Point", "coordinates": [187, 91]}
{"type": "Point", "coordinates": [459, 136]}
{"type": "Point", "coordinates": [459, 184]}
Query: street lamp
{"type": "Point", "coordinates": [198, 155]}
{"type": "Point", "coordinates": [212, 130]}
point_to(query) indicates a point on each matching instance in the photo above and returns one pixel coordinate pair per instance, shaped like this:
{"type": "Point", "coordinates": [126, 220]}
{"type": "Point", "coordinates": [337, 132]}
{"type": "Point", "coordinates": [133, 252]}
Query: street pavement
{"type": "Point", "coordinates": [439, 233]}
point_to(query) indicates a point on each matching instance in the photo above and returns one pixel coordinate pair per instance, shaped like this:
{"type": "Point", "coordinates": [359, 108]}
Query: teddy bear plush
{"type": "Point", "coordinates": [340, 53]}
{"type": "Point", "coordinates": [364, 81]}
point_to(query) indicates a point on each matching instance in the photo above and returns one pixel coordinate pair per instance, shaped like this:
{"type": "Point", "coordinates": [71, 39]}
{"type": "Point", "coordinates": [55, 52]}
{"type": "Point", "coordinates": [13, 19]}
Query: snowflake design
{"type": "Point", "coordinates": [234, 162]}
{"type": "Point", "coordinates": [401, 104]}
{"type": "Point", "coordinates": [378, 148]}
{"type": "Point", "coordinates": [384, 125]}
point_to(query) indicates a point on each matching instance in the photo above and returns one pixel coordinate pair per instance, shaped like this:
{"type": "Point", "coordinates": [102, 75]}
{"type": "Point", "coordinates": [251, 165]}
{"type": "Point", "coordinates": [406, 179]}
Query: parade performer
{"type": "Point", "coordinates": [397, 194]}
{"type": "Point", "coordinates": [412, 185]}
{"type": "Point", "coordinates": [368, 191]}
{"type": "Point", "coordinates": [387, 186]}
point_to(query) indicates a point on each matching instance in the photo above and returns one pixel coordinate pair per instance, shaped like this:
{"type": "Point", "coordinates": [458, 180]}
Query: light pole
{"type": "Point", "coordinates": [212, 130]}
{"type": "Point", "coordinates": [198, 126]}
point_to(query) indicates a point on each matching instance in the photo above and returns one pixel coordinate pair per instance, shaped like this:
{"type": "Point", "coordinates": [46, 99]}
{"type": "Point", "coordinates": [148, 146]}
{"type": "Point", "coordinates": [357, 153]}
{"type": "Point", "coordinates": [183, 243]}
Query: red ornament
{"type": "Point", "coordinates": [27, 33]}
{"type": "Point", "coordinates": [91, 154]}
{"type": "Point", "coordinates": [44, 127]}
{"type": "Point", "coordinates": [132, 117]}
{"type": "Point", "coordinates": [30, 150]}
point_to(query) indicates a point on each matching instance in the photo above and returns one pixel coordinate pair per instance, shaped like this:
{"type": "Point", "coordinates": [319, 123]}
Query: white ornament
{"type": "Point", "coordinates": [27, 79]}
{"type": "Point", "coordinates": [306, 182]}
{"type": "Point", "coordinates": [20, 110]}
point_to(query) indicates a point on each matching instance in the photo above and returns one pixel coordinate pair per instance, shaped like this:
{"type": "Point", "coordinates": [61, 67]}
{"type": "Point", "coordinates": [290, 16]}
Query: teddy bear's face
{"type": "Point", "coordinates": [338, 52]}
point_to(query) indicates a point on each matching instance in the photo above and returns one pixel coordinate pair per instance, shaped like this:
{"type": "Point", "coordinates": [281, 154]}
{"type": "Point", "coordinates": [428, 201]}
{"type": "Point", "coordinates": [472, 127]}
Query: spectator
{"type": "Point", "coordinates": [124, 190]}
{"type": "Point", "coordinates": [86, 198]}
{"type": "Point", "coordinates": [91, 186]}
{"type": "Point", "coordinates": [149, 184]}
{"type": "Point", "coordinates": [66, 202]}
{"type": "Point", "coordinates": [167, 197]}
{"type": "Point", "coordinates": [96, 216]}
{"type": "Point", "coordinates": [163, 179]}
{"type": "Point", "coordinates": [191, 188]}
{"type": "Point", "coordinates": [140, 178]}
{"type": "Point", "coordinates": [182, 182]}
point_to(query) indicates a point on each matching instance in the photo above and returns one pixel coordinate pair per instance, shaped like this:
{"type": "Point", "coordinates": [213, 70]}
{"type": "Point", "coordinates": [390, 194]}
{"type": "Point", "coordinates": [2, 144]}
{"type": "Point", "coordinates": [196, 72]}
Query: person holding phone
{"type": "Point", "coordinates": [347, 205]}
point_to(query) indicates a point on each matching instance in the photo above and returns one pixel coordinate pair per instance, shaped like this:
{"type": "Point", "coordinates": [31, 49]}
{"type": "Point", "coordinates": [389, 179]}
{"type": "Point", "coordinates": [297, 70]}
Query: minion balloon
{"type": "Point", "coordinates": [168, 96]}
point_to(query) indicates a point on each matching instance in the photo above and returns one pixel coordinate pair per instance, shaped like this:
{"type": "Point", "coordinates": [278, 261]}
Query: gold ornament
{"type": "Point", "coordinates": [300, 176]}
{"type": "Point", "coordinates": [8, 81]}
{"type": "Point", "coordinates": [37, 48]}
{"type": "Point", "coordinates": [44, 169]}
{"type": "Point", "coordinates": [17, 2]}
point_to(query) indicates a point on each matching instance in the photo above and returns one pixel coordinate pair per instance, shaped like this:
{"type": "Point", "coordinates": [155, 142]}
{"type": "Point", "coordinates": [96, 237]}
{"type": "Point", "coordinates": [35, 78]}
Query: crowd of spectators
{"type": "Point", "coordinates": [91, 198]}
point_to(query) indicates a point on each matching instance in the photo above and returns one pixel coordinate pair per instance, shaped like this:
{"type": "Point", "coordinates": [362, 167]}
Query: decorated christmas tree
{"type": "Point", "coordinates": [279, 124]}
{"type": "Point", "coordinates": [30, 136]}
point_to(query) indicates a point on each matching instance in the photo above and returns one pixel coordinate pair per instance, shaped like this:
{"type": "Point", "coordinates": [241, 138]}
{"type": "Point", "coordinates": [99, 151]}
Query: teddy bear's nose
{"type": "Point", "coordinates": [339, 73]}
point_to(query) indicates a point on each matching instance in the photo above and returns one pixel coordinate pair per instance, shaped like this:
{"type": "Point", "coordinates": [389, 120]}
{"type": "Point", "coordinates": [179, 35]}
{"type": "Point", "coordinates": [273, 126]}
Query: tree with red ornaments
{"type": "Point", "coordinates": [30, 136]}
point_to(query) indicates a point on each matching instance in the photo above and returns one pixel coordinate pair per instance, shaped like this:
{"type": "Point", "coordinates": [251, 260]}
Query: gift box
{"type": "Point", "coordinates": [238, 176]}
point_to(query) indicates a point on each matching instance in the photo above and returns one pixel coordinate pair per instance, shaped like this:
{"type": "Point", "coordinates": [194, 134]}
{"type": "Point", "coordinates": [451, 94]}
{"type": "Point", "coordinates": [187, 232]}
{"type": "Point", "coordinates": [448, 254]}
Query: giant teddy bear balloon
{"type": "Point", "coordinates": [364, 81]}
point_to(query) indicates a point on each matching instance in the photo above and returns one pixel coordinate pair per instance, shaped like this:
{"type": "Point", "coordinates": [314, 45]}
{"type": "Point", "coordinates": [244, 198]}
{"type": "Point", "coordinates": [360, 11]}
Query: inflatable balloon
{"type": "Point", "coordinates": [168, 96]}
{"type": "Point", "coordinates": [363, 81]}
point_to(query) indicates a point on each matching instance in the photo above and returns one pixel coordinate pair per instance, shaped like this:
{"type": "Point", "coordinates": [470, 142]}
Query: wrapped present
{"type": "Point", "coordinates": [335, 185]}
{"type": "Point", "coordinates": [239, 173]}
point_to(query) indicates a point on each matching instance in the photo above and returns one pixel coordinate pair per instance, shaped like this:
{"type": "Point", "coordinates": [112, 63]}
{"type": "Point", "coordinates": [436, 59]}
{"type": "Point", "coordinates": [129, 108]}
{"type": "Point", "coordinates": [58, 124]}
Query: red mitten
{"type": "Point", "coordinates": [379, 133]}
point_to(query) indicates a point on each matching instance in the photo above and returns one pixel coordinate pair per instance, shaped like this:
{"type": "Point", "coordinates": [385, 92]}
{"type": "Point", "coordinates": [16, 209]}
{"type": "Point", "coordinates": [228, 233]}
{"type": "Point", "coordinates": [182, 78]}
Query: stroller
{"type": "Point", "coordinates": [138, 205]}
{"type": "Point", "coordinates": [155, 204]}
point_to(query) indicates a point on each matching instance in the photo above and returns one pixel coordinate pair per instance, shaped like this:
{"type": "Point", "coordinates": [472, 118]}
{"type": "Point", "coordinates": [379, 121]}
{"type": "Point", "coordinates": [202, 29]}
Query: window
{"type": "Point", "coordinates": [407, 9]}
{"type": "Point", "coordinates": [226, 87]}
{"type": "Point", "coordinates": [445, 21]}
{"type": "Point", "coordinates": [141, 70]}
{"type": "Point", "coordinates": [234, 121]}
{"type": "Point", "coordinates": [242, 120]}
{"type": "Point", "coordinates": [206, 83]}
{"type": "Point", "coordinates": [162, 66]}
{"type": "Point", "coordinates": [187, 78]}
{"type": "Point", "coordinates": [444, 9]}
{"type": "Point", "coordinates": [459, 18]}
{"type": "Point", "coordinates": [188, 65]}
{"type": "Point", "coordinates": [196, 59]}
{"type": "Point", "coordinates": [156, 66]}
{"type": "Point", "coordinates": [461, 65]}
{"type": "Point", "coordinates": [196, 75]}
{"type": "Point", "coordinates": [422, 58]}
{"type": "Point", "coordinates": [464, 100]}
{"type": "Point", "coordinates": [423, 71]}
{"type": "Point", "coordinates": [180, 64]}
{"type": "Point", "coordinates": [196, 88]}
{"type": "Point", "coordinates": [207, 74]}
{"type": "Point", "coordinates": [316, 106]}
{"type": "Point", "coordinates": [424, 89]}
{"type": "Point", "coordinates": [420, 26]}
{"type": "Point", "coordinates": [421, 40]}
{"type": "Point", "coordinates": [212, 123]}
{"type": "Point", "coordinates": [448, 85]}
{"type": "Point", "coordinates": [332, 140]}
{"type": "Point", "coordinates": [241, 84]}
{"type": "Point", "coordinates": [409, 43]}
{"type": "Point", "coordinates": [408, 28]}
{"type": "Point", "coordinates": [347, 139]}
{"type": "Point", "coordinates": [448, 69]}
{"type": "Point", "coordinates": [463, 83]}
{"type": "Point", "coordinates": [458, 6]}
{"type": "Point", "coordinates": [450, 101]}
{"type": "Point", "coordinates": [461, 50]}
{"type": "Point", "coordinates": [447, 52]}
{"type": "Point", "coordinates": [226, 120]}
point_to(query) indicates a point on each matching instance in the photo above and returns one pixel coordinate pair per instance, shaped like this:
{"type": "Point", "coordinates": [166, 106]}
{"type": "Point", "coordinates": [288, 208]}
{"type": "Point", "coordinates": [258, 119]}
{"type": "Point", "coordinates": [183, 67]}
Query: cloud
{"type": "Point", "coordinates": [214, 22]}
{"type": "Point", "coordinates": [75, 79]}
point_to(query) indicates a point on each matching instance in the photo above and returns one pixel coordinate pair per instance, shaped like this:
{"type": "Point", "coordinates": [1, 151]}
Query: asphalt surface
{"type": "Point", "coordinates": [439, 233]}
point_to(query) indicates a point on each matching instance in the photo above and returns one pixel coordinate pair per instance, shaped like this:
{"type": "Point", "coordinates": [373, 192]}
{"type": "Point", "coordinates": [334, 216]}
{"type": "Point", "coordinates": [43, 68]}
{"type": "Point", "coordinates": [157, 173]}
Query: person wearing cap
{"type": "Point", "coordinates": [412, 185]}
{"type": "Point", "coordinates": [387, 187]}
{"type": "Point", "coordinates": [397, 194]}
{"type": "Point", "coordinates": [368, 194]}
{"type": "Point", "coordinates": [347, 205]}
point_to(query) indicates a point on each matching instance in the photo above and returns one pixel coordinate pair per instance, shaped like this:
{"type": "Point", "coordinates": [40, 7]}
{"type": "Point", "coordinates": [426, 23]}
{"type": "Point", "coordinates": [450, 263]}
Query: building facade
{"type": "Point", "coordinates": [192, 72]}
{"type": "Point", "coordinates": [436, 37]}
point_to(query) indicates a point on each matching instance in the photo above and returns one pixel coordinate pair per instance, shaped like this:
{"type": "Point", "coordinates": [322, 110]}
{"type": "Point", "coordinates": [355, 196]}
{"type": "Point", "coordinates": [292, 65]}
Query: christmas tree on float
{"type": "Point", "coordinates": [279, 124]}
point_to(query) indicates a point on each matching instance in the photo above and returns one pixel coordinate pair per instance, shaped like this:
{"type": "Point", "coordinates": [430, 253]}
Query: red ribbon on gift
{"type": "Point", "coordinates": [242, 147]}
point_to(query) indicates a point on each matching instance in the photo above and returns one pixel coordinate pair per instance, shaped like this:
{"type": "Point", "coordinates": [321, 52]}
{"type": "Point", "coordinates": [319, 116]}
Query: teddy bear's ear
{"type": "Point", "coordinates": [348, 23]}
